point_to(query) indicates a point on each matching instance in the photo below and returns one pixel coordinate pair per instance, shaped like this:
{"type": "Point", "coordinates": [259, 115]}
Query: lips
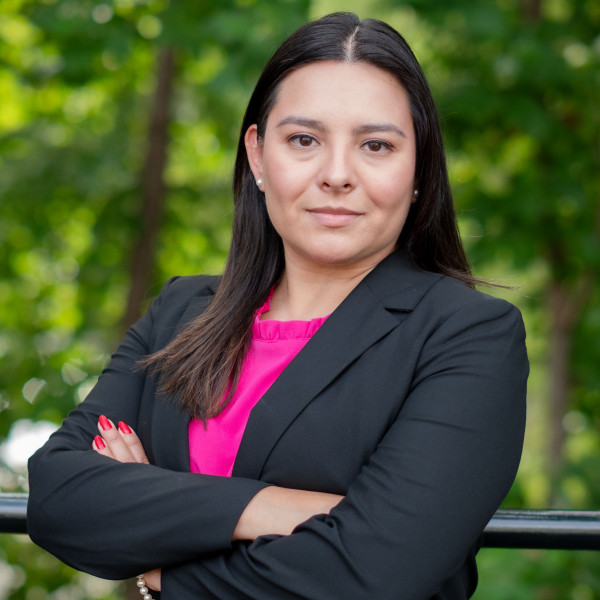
{"type": "Point", "coordinates": [334, 216]}
{"type": "Point", "coordinates": [333, 210]}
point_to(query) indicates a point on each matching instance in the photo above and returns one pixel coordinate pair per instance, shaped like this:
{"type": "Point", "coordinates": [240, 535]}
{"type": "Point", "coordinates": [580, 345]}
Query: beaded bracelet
{"type": "Point", "coordinates": [144, 591]}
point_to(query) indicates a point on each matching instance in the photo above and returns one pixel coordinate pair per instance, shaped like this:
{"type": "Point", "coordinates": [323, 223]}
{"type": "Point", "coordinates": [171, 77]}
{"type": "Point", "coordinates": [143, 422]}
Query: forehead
{"type": "Point", "coordinates": [342, 92]}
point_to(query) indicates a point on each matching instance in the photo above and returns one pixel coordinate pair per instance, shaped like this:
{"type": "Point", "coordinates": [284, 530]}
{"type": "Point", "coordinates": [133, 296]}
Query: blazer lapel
{"type": "Point", "coordinates": [358, 323]}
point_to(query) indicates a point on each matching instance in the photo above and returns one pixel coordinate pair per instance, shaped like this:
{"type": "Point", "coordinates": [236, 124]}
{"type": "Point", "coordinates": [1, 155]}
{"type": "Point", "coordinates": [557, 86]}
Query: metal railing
{"type": "Point", "coordinates": [544, 529]}
{"type": "Point", "coordinates": [13, 513]}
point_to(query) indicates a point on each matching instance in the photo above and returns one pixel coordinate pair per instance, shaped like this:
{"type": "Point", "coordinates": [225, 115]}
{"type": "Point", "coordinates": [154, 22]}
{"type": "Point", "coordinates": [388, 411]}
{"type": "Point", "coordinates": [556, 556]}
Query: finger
{"type": "Point", "coordinates": [114, 440]}
{"type": "Point", "coordinates": [152, 579]}
{"type": "Point", "coordinates": [133, 443]}
{"type": "Point", "coordinates": [101, 448]}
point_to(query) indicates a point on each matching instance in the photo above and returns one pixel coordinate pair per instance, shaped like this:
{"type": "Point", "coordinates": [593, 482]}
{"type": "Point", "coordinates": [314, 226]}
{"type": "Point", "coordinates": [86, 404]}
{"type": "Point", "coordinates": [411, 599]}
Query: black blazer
{"type": "Point", "coordinates": [410, 400]}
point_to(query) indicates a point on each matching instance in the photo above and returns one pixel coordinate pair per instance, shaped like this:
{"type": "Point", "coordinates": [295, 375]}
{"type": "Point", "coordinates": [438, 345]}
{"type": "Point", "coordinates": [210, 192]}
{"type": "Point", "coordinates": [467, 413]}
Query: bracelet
{"type": "Point", "coordinates": [143, 588]}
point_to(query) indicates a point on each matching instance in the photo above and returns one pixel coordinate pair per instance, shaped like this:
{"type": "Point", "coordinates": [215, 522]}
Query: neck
{"type": "Point", "coordinates": [308, 293]}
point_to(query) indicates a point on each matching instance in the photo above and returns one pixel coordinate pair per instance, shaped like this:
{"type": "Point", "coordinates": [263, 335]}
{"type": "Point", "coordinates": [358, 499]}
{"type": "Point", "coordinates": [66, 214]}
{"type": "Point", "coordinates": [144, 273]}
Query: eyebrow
{"type": "Point", "coordinates": [303, 122]}
{"type": "Point", "coordinates": [377, 127]}
{"type": "Point", "coordinates": [361, 130]}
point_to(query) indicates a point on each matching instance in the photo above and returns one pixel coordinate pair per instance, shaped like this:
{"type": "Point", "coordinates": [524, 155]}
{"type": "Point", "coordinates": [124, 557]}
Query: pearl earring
{"type": "Point", "coordinates": [259, 182]}
{"type": "Point", "coordinates": [416, 193]}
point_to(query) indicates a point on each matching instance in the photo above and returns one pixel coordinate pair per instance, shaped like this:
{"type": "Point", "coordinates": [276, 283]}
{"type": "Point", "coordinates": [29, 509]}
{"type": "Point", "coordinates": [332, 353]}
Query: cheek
{"type": "Point", "coordinates": [393, 194]}
{"type": "Point", "coordinates": [404, 181]}
{"type": "Point", "coordinates": [284, 174]}
{"type": "Point", "coordinates": [283, 180]}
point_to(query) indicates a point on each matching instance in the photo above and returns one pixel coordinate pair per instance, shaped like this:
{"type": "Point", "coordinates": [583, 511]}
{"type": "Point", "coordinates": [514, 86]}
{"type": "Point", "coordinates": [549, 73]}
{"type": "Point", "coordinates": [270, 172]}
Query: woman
{"type": "Point", "coordinates": [363, 462]}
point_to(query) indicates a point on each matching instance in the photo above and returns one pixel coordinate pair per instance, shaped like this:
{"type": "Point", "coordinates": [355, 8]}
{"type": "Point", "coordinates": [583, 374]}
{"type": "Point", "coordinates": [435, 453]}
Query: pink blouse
{"type": "Point", "coordinates": [273, 346]}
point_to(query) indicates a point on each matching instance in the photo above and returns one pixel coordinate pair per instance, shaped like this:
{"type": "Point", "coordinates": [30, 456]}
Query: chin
{"type": "Point", "coordinates": [333, 259]}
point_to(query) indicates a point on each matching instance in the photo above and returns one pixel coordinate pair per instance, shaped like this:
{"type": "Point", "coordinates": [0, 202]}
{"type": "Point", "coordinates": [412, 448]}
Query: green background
{"type": "Point", "coordinates": [517, 84]}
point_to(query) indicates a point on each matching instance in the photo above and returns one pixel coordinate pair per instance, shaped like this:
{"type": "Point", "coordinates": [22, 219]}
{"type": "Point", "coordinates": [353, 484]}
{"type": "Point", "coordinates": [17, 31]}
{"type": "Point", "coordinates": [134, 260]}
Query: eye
{"type": "Point", "coordinates": [303, 140]}
{"type": "Point", "coordinates": [377, 146]}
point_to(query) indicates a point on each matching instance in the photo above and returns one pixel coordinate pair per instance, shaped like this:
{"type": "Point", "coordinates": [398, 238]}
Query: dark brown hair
{"type": "Point", "coordinates": [201, 366]}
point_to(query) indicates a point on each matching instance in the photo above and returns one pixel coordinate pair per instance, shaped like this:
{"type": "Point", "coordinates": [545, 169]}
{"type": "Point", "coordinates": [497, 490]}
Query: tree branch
{"type": "Point", "coordinates": [153, 189]}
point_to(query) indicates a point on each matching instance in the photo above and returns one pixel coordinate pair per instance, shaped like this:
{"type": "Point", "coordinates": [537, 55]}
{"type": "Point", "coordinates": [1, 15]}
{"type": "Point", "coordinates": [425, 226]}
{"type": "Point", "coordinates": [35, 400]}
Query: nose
{"type": "Point", "coordinates": [337, 172]}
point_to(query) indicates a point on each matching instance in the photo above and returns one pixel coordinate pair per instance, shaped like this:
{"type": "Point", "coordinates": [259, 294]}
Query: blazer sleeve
{"type": "Point", "coordinates": [419, 506]}
{"type": "Point", "coordinates": [112, 519]}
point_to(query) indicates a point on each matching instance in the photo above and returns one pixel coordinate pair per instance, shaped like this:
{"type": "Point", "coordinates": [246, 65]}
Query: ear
{"type": "Point", "coordinates": [254, 151]}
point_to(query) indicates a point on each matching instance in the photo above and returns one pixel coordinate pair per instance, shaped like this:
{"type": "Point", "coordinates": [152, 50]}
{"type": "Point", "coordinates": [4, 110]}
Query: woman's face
{"type": "Point", "coordinates": [337, 164]}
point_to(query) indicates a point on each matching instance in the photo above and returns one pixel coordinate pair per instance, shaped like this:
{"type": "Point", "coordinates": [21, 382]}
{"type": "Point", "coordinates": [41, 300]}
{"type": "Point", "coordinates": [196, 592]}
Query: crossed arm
{"type": "Point", "coordinates": [273, 510]}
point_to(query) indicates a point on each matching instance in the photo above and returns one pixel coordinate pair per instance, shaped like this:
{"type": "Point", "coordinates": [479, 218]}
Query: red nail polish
{"type": "Point", "coordinates": [99, 443]}
{"type": "Point", "coordinates": [124, 427]}
{"type": "Point", "coordinates": [104, 423]}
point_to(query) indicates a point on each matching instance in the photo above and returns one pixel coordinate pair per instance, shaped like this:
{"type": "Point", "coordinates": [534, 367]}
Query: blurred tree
{"type": "Point", "coordinates": [153, 189]}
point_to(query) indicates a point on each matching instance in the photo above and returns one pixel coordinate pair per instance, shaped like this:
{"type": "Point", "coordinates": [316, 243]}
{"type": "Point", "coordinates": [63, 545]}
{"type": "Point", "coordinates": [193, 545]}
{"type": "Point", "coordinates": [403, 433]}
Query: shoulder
{"type": "Point", "coordinates": [186, 287]}
{"type": "Point", "coordinates": [439, 307]}
{"type": "Point", "coordinates": [452, 295]}
{"type": "Point", "coordinates": [400, 285]}
{"type": "Point", "coordinates": [456, 328]}
{"type": "Point", "coordinates": [452, 298]}
{"type": "Point", "coordinates": [183, 298]}
{"type": "Point", "coordinates": [471, 323]}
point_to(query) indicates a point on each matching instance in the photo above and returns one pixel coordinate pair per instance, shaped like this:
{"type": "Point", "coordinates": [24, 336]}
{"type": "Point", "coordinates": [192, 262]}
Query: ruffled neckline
{"type": "Point", "coordinates": [272, 330]}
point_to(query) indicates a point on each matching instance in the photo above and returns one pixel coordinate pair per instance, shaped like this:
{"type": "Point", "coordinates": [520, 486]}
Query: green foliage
{"type": "Point", "coordinates": [76, 79]}
{"type": "Point", "coordinates": [507, 574]}
{"type": "Point", "coordinates": [518, 92]}
{"type": "Point", "coordinates": [29, 573]}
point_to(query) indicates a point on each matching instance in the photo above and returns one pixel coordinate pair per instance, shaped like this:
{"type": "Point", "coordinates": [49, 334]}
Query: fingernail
{"type": "Point", "coordinates": [124, 427]}
{"type": "Point", "coordinates": [104, 423]}
{"type": "Point", "coordinates": [100, 445]}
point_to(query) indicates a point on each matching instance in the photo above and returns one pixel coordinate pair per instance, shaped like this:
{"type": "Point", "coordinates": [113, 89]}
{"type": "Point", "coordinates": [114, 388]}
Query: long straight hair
{"type": "Point", "coordinates": [201, 366]}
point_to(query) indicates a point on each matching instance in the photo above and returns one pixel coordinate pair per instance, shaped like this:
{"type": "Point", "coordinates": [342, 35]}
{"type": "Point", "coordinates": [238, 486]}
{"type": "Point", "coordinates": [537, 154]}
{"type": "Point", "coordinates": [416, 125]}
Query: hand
{"type": "Point", "coordinates": [152, 579]}
{"type": "Point", "coordinates": [120, 443]}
